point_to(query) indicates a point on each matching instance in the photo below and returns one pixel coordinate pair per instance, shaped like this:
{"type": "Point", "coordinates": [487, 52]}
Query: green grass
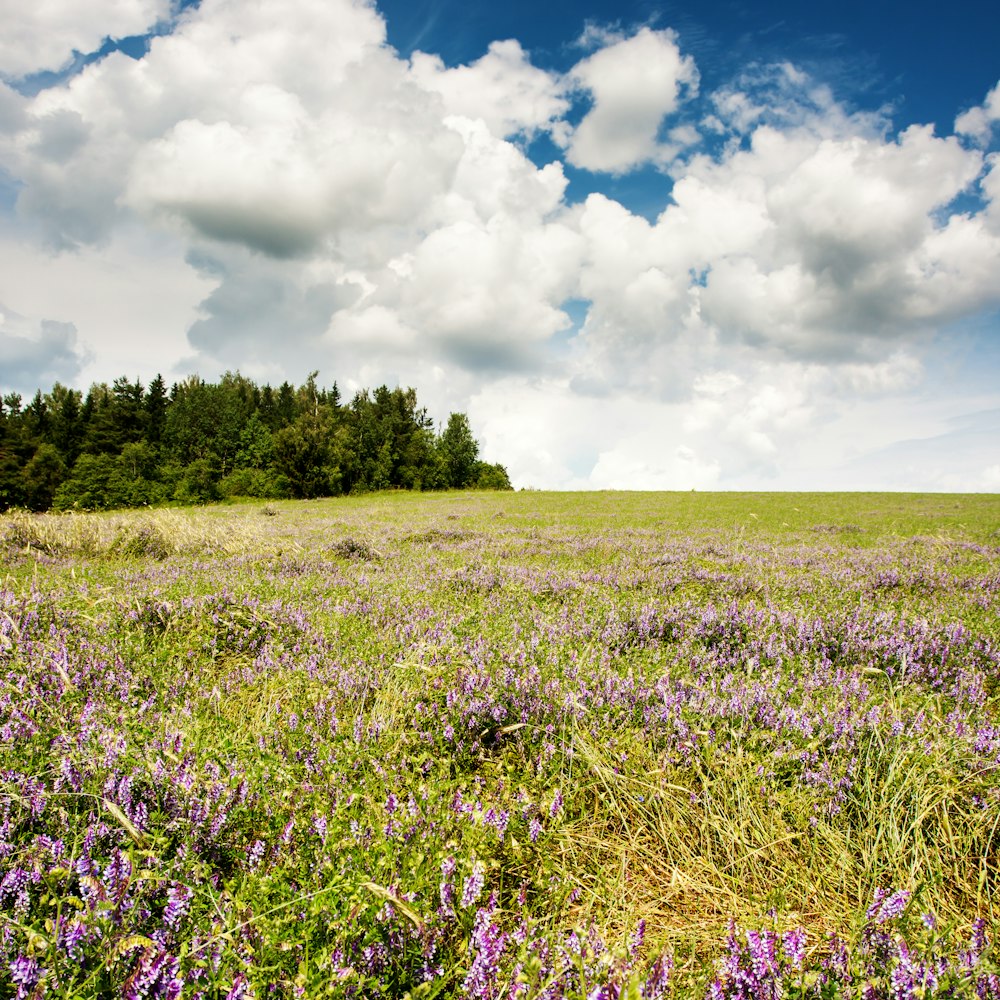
{"type": "Point", "coordinates": [756, 707]}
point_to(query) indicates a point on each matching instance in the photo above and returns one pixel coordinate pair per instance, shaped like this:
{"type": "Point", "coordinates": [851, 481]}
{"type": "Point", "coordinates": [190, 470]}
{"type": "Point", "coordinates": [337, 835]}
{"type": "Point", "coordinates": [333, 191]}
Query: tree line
{"type": "Point", "coordinates": [128, 445]}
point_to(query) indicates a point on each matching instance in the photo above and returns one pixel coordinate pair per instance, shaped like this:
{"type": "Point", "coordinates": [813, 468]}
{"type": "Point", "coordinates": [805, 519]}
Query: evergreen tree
{"type": "Point", "coordinates": [459, 451]}
{"type": "Point", "coordinates": [155, 405]}
{"type": "Point", "coordinates": [67, 424]}
{"type": "Point", "coordinates": [42, 476]}
{"type": "Point", "coordinates": [124, 445]}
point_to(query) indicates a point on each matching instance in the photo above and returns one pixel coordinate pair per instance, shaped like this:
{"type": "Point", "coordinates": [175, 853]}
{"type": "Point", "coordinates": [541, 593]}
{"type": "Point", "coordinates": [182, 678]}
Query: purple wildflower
{"type": "Point", "coordinates": [319, 827]}
{"type": "Point", "coordinates": [254, 854]}
{"type": "Point", "coordinates": [240, 989]}
{"type": "Point", "coordinates": [178, 901]}
{"type": "Point", "coordinates": [635, 945]}
{"type": "Point", "coordinates": [886, 906]}
{"type": "Point", "coordinates": [793, 946]}
{"type": "Point", "coordinates": [70, 937]}
{"type": "Point", "coordinates": [157, 975]}
{"type": "Point", "coordinates": [447, 889]}
{"type": "Point", "coordinates": [24, 974]}
{"type": "Point", "coordinates": [487, 944]}
{"type": "Point", "coordinates": [473, 887]}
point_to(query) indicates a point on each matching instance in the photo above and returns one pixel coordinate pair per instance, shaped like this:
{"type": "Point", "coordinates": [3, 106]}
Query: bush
{"type": "Point", "coordinates": [262, 484]}
{"type": "Point", "coordinates": [491, 477]}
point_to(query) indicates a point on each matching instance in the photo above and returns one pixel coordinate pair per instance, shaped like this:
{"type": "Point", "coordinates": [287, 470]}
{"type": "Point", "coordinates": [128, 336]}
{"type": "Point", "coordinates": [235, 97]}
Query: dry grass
{"type": "Point", "coordinates": [687, 855]}
{"type": "Point", "coordinates": [154, 534]}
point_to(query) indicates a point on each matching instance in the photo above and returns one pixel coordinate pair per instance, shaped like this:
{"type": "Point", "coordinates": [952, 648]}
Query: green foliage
{"type": "Point", "coordinates": [198, 484]}
{"type": "Point", "coordinates": [263, 484]}
{"type": "Point", "coordinates": [127, 446]}
{"type": "Point", "coordinates": [285, 769]}
{"type": "Point", "coordinates": [490, 477]}
{"type": "Point", "coordinates": [42, 476]}
{"type": "Point", "coordinates": [460, 452]}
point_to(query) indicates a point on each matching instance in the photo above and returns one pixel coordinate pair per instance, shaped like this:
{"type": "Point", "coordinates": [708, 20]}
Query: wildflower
{"type": "Point", "coordinates": [71, 936]}
{"type": "Point", "coordinates": [557, 804]}
{"type": "Point", "coordinates": [498, 820]}
{"type": "Point", "coordinates": [886, 906]}
{"type": "Point", "coordinates": [658, 978]}
{"type": "Point", "coordinates": [637, 938]}
{"type": "Point", "coordinates": [240, 989]}
{"type": "Point", "coordinates": [793, 946]}
{"type": "Point", "coordinates": [473, 887]}
{"type": "Point", "coordinates": [255, 854]}
{"type": "Point", "coordinates": [24, 974]}
{"type": "Point", "coordinates": [156, 975]}
{"type": "Point", "coordinates": [487, 944]}
{"type": "Point", "coordinates": [178, 901]}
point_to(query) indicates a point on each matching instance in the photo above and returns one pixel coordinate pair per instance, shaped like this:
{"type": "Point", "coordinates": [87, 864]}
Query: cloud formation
{"type": "Point", "coordinates": [44, 36]}
{"type": "Point", "coordinates": [36, 355]}
{"type": "Point", "coordinates": [980, 121]}
{"type": "Point", "coordinates": [385, 218]}
{"type": "Point", "coordinates": [635, 83]}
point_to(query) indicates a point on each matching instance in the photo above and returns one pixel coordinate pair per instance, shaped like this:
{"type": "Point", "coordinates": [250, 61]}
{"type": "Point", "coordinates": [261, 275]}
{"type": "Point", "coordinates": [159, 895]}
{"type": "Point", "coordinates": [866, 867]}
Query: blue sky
{"type": "Point", "coordinates": [643, 245]}
{"type": "Point", "coordinates": [922, 58]}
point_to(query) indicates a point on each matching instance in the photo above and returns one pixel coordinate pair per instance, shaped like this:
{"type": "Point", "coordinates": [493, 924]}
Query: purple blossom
{"type": "Point", "coordinates": [71, 935]}
{"type": "Point", "coordinates": [24, 974]}
{"type": "Point", "coordinates": [178, 902]}
{"type": "Point", "coordinates": [473, 887]}
{"type": "Point", "coordinates": [255, 854]}
{"type": "Point", "coordinates": [446, 890]}
{"type": "Point", "coordinates": [156, 975]}
{"type": "Point", "coordinates": [635, 945]}
{"type": "Point", "coordinates": [319, 827]}
{"type": "Point", "coordinates": [886, 906]}
{"type": "Point", "coordinates": [487, 945]}
{"type": "Point", "coordinates": [557, 804]}
{"type": "Point", "coordinates": [240, 988]}
{"type": "Point", "coordinates": [793, 947]}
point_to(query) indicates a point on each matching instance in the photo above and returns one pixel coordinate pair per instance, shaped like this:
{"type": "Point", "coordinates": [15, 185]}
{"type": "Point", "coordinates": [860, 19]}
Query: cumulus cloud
{"type": "Point", "coordinates": [502, 89]}
{"type": "Point", "coordinates": [37, 353]}
{"type": "Point", "coordinates": [979, 122]}
{"type": "Point", "coordinates": [131, 301]}
{"type": "Point", "coordinates": [485, 286]}
{"type": "Point", "coordinates": [812, 243]}
{"type": "Point", "coordinates": [44, 36]}
{"type": "Point", "coordinates": [635, 83]}
{"type": "Point", "coordinates": [306, 198]}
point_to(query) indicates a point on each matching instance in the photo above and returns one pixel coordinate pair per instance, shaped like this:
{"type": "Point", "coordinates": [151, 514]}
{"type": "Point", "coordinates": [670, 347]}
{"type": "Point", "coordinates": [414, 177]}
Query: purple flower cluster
{"type": "Point", "coordinates": [227, 775]}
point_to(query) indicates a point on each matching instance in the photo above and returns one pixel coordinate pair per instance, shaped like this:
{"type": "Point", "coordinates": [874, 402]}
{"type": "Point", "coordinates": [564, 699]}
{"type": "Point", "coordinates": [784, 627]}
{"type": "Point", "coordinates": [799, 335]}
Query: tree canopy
{"type": "Point", "coordinates": [127, 445]}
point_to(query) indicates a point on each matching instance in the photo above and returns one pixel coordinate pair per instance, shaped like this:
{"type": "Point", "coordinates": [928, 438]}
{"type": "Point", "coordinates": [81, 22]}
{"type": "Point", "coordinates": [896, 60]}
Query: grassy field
{"type": "Point", "coordinates": [581, 746]}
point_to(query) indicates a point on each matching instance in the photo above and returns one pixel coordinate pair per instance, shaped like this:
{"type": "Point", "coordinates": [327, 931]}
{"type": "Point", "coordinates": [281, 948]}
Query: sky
{"type": "Point", "coordinates": [643, 245]}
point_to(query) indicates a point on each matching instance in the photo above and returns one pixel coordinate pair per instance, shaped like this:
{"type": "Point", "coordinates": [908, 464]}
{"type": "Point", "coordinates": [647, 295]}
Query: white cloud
{"type": "Point", "coordinates": [37, 353]}
{"type": "Point", "coordinates": [635, 84]}
{"type": "Point", "coordinates": [272, 188]}
{"type": "Point", "coordinates": [129, 302]}
{"type": "Point", "coordinates": [501, 89]}
{"type": "Point", "coordinates": [979, 122]}
{"type": "Point", "coordinates": [44, 35]}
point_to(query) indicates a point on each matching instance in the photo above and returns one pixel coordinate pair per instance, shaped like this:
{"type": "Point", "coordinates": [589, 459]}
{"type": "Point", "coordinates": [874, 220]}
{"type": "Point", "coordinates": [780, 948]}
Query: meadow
{"type": "Point", "coordinates": [504, 745]}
